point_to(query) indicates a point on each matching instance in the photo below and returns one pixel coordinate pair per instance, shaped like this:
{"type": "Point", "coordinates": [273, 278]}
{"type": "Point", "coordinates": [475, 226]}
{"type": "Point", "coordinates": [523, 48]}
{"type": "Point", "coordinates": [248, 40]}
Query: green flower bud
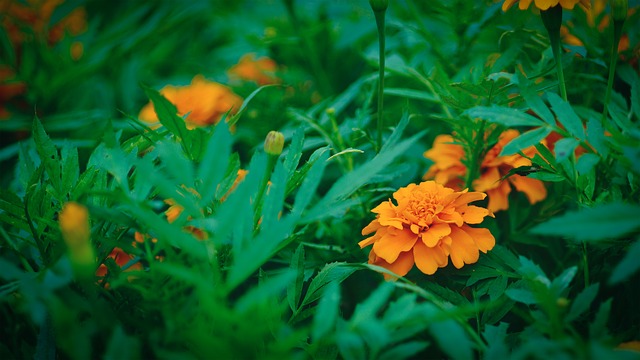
{"type": "Point", "coordinates": [619, 9]}
{"type": "Point", "coordinates": [273, 143]}
{"type": "Point", "coordinates": [379, 5]}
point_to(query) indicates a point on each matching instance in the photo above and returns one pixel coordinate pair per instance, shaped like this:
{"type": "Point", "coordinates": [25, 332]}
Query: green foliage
{"type": "Point", "coordinates": [204, 245]}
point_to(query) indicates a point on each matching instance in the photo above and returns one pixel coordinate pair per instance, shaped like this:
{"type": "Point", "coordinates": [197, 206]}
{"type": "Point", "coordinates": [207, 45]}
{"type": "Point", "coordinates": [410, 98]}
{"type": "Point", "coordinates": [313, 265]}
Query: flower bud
{"type": "Point", "coordinates": [74, 224]}
{"type": "Point", "coordinates": [379, 5]}
{"type": "Point", "coordinates": [619, 9]}
{"type": "Point", "coordinates": [273, 143]}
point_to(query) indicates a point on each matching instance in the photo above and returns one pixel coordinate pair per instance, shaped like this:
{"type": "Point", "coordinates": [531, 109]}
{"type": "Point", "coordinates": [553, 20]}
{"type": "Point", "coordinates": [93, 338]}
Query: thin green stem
{"type": "Point", "coordinates": [380, 24]}
{"type": "Point", "coordinates": [617, 33]}
{"type": "Point", "coordinates": [585, 264]}
{"type": "Point", "coordinates": [552, 20]}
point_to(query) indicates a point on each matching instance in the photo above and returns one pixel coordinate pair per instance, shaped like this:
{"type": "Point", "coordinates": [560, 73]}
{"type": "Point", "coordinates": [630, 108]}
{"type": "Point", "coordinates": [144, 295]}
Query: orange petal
{"type": "Point", "coordinates": [392, 243]}
{"type": "Point", "coordinates": [401, 266]}
{"type": "Point", "coordinates": [436, 232]}
{"type": "Point", "coordinates": [463, 249]}
{"type": "Point", "coordinates": [373, 226]}
{"type": "Point", "coordinates": [428, 260]}
{"type": "Point", "coordinates": [482, 237]}
{"type": "Point", "coordinates": [499, 197]}
{"type": "Point", "coordinates": [533, 188]}
{"type": "Point", "coordinates": [473, 214]}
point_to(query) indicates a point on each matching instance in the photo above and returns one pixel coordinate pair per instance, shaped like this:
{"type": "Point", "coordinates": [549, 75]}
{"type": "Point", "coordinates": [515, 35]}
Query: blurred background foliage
{"type": "Point", "coordinates": [86, 69]}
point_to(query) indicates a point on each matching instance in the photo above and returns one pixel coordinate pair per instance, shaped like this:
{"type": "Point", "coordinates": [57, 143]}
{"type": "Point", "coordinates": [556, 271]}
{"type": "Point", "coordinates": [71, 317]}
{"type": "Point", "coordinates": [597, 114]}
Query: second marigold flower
{"type": "Point", "coordinates": [427, 226]}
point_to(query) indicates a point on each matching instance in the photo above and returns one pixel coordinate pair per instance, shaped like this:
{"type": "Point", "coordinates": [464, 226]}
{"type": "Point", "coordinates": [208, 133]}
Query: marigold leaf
{"type": "Point", "coordinates": [333, 272]}
{"type": "Point", "coordinates": [167, 114]}
{"type": "Point", "coordinates": [603, 222]}
{"type": "Point", "coordinates": [598, 328]}
{"type": "Point", "coordinates": [525, 140]}
{"type": "Point", "coordinates": [404, 351]}
{"type": "Point", "coordinates": [452, 339]}
{"type": "Point", "coordinates": [535, 103]}
{"type": "Point", "coordinates": [582, 302]}
{"type": "Point", "coordinates": [564, 148]}
{"type": "Point", "coordinates": [370, 307]}
{"type": "Point", "coordinates": [496, 341]}
{"type": "Point", "coordinates": [586, 162]}
{"type": "Point", "coordinates": [48, 153]}
{"type": "Point", "coordinates": [566, 116]}
{"type": "Point", "coordinates": [351, 346]}
{"type": "Point", "coordinates": [294, 290]}
{"type": "Point", "coordinates": [505, 116]}
{"type": "Point", "coordinates": [326, 312]}
{"type": "Point", "coordinates": [271, 288]}
{"type": "Point", "coordinates": [214, 163]}
{"type": "Point", "coordinates": [628, 265]}
{"type": "Point", "coordinates": [596, 137]}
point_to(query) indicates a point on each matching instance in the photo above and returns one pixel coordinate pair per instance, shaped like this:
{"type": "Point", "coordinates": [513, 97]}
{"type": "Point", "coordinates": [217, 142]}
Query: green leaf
{"type": "Point", "coordinates": [294, 290]}
{"type": "Point", "coordinates": [628, 265]}
{"type": "Point", "coordinates": [167, 114]}
{"type": "Point", "coordinates": [294, 152]}
{"type": "Point", "coordinates": [214, 163]}
{"type": "Point", "coordinates": [48, 154]}
{"type": "Point", "coordinates": [603, 222]}
{"type": "Point", "coordinates": [566, 116]}
{"type": "Point", "coordinates": [452, 339]}
{"type": "Point", "coordinates": [536, 104]}
{"type": "Point", "coordinates": [407, 350]}
{"type": "Point", "coordinates": [496, 340]}
{"type": "Point", "coordinates": [582, 302]}
{"type": "Point", "coordinates": [586, 162]}
{"type": "Point", "coordinates": [310, 183]}
{"type": "Point", "coordinates": [565, 148]}
{"type": "Point", "coordinates": [234, 118]}
{"type": "Point", "coordinates": [596, 137]}
{"type": "Point", "coordinates": [369, 308]}
{"type": "Point", "coordinates": [326, 312]}
{"type": "Point", "coordinates": [333, 272]}
{"type": "Point", "coordinates": [525, 140]}
{"type": "Point", "coordinates": [411, 94]}
{"type": "Point", "coordinates": [269, 289]}
{"type": "Point", "coordinates": [598, 328]}
{"type": "Point", "coordinates": [351, 346]}
{"type": "Point", "coordinates": [524, 296]}
{"type": "Point", "coordinates": [505, 116]}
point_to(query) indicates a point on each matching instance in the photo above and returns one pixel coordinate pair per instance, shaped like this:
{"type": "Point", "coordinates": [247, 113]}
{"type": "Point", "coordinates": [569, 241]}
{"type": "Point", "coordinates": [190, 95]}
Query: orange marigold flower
{"type": "Point", "coordinates": [203, 102]}
{"type": "Point", "coordinates": [448, 169]}
{"type": "Point", "coordinates": [121, 258]}
{"type": "Point", "coordinates": [545, 4]}
{"type": "Point", "coordinates": [261, 70]}
{"type": "Point", "coordinates": [426, 228]}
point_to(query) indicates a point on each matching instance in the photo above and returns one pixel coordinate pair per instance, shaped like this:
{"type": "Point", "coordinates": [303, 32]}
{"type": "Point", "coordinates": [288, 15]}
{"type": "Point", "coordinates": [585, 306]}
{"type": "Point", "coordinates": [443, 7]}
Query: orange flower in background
{"type": "Point", "coordinates": [261, 70]}
{"type": "Point", "coordinates": [426, 228]}
{"type": "Point", "coordinates": [545, 4]}
{"type": "Point", "coordinates": [121, 258]}
{"type": "Point", "coordinates": [203, 102]}
{"type": "Point", "coordinates": [448, 169]}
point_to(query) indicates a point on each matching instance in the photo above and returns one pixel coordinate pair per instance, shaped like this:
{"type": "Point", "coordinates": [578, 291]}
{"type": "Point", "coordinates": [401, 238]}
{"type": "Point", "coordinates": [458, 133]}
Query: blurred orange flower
{"type": "Point", "coordinates": [121, 258]}
{"type": "Point", "coordinates": [261, 70]}
{"type": "Point", "coordinates": [203, 102]}
{"type": "Point", "coordinates": [426, 227]}
{"type": "Point", "coordinates": [545, 4]}
{"type": "Point", "coordinates": [449, 170]}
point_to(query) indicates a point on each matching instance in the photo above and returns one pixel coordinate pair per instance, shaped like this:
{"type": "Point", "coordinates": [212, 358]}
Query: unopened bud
{"type": "Point", "coordinates": [274, 143]}
{"type": "Point", "coordinates": [74, 224]}
{"type": "Point", "coordinates": [619, 9]}
{"type": "Point", "coordinates": [379, 5]}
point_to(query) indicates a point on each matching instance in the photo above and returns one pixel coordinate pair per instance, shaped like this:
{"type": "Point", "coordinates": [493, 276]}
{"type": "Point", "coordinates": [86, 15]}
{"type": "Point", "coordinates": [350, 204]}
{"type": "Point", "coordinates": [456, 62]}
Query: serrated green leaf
{"type": "Point", "coordinates": [167, 114]}
{"type": "Point", "coordinates": [524, 296]}
{"type": "Point", "coordinates": [294, 152]}
{"type": "Point", "coordinates": [505, 116]}
{"type": "Point", "coordinates": [566, 116]}
{"type": "Point", "coordinates": [598, 328]}
{"type": "Point", "coordinates": [269, 289]}
{"type": "Point", "coordinates": [310, 183]}
{"type": "Point", "coordinates": [586, 163]}
{"type": "Point", "coordinates": [326, 312]}
{"type": "Point", "coordinates": [628, 265]}
{"type": "Point", "coordinates": [48, 153]}
{"type": "Point", "coordinates": [333, 272]}
{"type": "Point", "coordinates": [214, 163]}
{"type": "Point", "coordinates": [404, 351]}
{"type": "Point", "coordinates": [565, 148]}
{"type": "Point", "coordinates": [496, 340]}
{"type": "Point", "coordinates": [535, 103]}
{"type": "Point", "coordinates": [294, 290]}
{"type": "Point", "coordinates": [582, 302]}
{"type": "Point", "coordinates": [596, 137]}
{"type": "Point", "coordinates": [452, 339]}
{"type": "Point", "coordinates": [525, 140]}
{"type": "Point", "coordinates": [603, 222]}
{"type": "Point", "coordinates": [70, 167]}
{"type": "Point", "coordinates": [372, 305]}
{"type": "Point", "coordinates": [351, 346]}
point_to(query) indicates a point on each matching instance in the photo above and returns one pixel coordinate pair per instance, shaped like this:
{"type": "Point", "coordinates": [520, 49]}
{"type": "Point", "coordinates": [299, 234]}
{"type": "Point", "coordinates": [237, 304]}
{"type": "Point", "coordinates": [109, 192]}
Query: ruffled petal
{"type": "Point", "coordinates": [401, 266]}
{"type": "Point", "coordinates": [533, 188]}
{"type": "Point", "coordinates": [499, 197]}
{"type": "Point", "coordinates": [482, 237]}
{"type": "Point", "coordinates": [373, 226]}
{"type": "Point", "coordinates": [463, 249]}
{"type": "Point", "coordinates": [473, 214]}
{"type": "Point", "coordinates": [426, 259]}
{"type": "Point", "coordinates": [393, 242]}
{"type": "Point", "coordinates": [436, 232]}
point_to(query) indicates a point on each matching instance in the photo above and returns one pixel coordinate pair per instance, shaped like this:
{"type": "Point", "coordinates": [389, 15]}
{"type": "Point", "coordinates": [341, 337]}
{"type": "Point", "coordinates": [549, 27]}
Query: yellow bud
{"type": "Point", "coordinates": [379, 5]}
{"type": "Point", "coordinates": [274, 143]}
{"type": "Point", "coordinates": [74, 224]}
{"type": "Point", "coordinates": [619, 9]}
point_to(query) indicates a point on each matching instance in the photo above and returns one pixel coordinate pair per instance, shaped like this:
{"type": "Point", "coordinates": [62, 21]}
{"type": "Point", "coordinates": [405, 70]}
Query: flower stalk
{"type": "Point", "coordinates": [618, 23]}
{"type": "Point", "coordinates": [379, 8]}
{"type": "Point", "coordinates": [273, 145]}
{"type": "Point", "coordinates": [552, 20]}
